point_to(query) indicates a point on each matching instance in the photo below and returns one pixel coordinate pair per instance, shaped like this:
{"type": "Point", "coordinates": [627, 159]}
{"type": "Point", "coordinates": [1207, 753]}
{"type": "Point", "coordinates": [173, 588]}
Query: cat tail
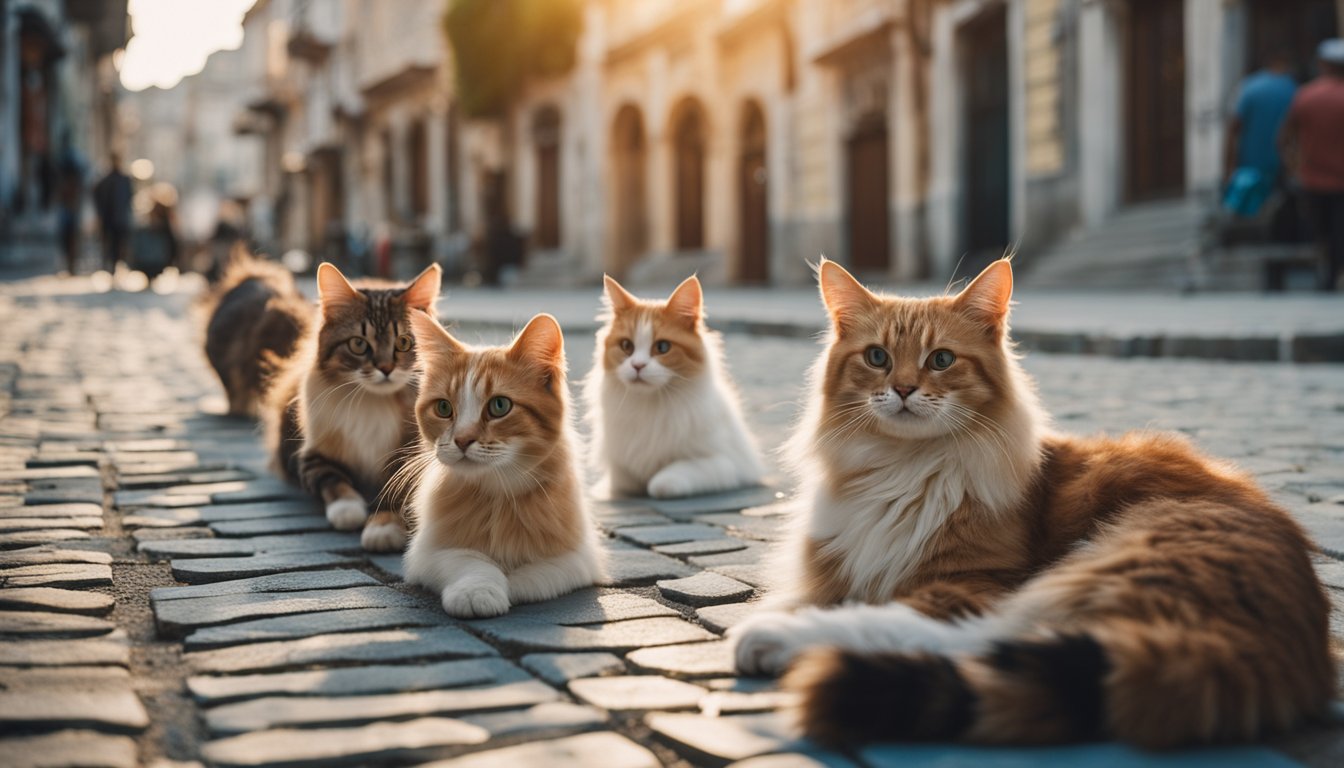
{"type": "Point", "coordinates": [1156, 686]}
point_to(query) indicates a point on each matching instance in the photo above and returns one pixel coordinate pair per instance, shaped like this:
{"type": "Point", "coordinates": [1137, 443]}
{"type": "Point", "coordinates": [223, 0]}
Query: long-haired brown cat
{"type": "Point", "coordinates": [341, 414]}
{"type": "Point", "coordinates": [1017, 585]}
{"type": "Point", "coordinates": [499, 514]}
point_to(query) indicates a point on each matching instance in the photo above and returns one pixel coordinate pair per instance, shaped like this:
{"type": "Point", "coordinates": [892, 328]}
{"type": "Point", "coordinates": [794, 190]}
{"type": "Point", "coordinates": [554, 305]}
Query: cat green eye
{"type": "Point", "coordinates": [662, 347]}
{"type": "Point", "coordinates": [444, 409]}
{"type": "Point", "coordinates": [876, 357]}
{"type": "Point", "coordinates": [358, 344]}
{"type": "Point", "coordinates": [627, 346]}
{"type": "Point", "coordinates": [404, 342]}
{"type": "Point", "coordinates": [499, 406]}
{"type": "Point", "coordinates": [941, 359]}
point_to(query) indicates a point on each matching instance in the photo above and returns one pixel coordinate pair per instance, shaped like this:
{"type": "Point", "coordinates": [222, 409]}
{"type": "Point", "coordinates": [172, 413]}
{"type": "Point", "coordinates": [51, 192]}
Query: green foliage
{"type": "Point", "coordinates": [498, 45]}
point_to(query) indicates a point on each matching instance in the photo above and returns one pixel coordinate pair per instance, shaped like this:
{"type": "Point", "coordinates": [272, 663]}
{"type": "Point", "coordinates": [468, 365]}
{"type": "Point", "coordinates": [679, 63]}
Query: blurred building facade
{"type": "Point", "coordinates": [743, 138]}
{"type": "Point", "coordinates": [57, 104]}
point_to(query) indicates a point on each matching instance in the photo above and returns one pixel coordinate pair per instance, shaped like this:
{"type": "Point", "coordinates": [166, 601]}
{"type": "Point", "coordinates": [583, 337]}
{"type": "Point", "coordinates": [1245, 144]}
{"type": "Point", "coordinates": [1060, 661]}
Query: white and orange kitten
{"type": "Point", "coordinates": [499, 512]}
{"type": "Point", "coordinates": [664, 415]}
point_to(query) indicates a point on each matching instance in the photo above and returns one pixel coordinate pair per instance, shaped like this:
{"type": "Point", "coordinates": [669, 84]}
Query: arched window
{"type": "Point", "coordinates": [546, 140]}
{"type": "Point", "coordinates": [629, 225]}
{"type": "Point", "coordinates": [688, 133]}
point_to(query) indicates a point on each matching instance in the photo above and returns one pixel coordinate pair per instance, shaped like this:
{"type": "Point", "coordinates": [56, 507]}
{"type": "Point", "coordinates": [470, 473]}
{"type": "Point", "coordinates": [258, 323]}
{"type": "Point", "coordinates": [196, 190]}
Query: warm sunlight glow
{"type": "Point", "coordinates": [174, 37]}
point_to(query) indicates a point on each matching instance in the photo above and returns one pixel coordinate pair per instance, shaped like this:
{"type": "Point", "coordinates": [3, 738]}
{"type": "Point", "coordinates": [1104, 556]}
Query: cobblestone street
{"type": "Point", "coordinates": [164, 598]}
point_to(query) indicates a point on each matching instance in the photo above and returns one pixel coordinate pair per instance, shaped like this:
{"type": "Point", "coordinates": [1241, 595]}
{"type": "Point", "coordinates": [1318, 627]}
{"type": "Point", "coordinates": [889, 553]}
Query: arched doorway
{"type": "Point", "coordinates": [546, 141]}
{"type": "Point", "coordinates": [1155, 99]}
{"type": "Point", "coordinates": [983, 48]}
{"type": "Point", "coordinates": [753, 195]}
{"type": "Point", "coordinates": [629, 224]}
{"type": "Point", "coordinates": [688, 132]}
{"type": "Point", "coordinates": [868, 190]}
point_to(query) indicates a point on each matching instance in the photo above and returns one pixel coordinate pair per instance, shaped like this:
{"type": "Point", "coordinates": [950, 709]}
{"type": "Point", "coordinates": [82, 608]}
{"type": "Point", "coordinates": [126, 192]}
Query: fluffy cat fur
{"type": "Point", "coordinates": [499, 512]}
{"type": "Point", "coordinates": [664, 415]}
{"type": "Point", "coordinates": [255, 314]}
{"type": "Point", "coordinates": [341, 416]}
{"type": "Point", "coordinates": [969, 574]}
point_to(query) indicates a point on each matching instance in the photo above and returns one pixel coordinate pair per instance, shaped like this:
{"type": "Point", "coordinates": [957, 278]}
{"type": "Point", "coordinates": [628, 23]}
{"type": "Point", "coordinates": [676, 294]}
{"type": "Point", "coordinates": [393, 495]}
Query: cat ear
{"type": "Point", "coordinates": [333, 289]}
{"type": "Point", "coordinates": [424, 289]}
{"type": "Point", "coordinates": [845, 298]}
{"type": "Point", "coordinates": [541, 342]}
{"type": "Point", "coordinates": [989, 296]}
{"type": "Point", "coordinates": [617, 297]}
{"type": "Point", "coordinates": [687, 302]}
{"type": "Point", "coordinates": [432, 342]}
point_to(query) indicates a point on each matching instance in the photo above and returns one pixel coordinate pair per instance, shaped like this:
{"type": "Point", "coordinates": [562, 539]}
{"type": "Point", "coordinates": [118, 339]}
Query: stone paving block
{"type": "Point", "coordinates": [720, 617]}
{"type": "Point", "coordinates": [702, 547]}
{"type": "Point", "coordinates": [650, 535]}
{"type": "Point", "coordinates": [392, 565]}
{"type": "Point", "coordinates": [52, 599]}
{"type": "Point", "coordinates": [49, 473]}
{"type": "Point", "coordinates": [377, 678]}
{"type": "Point", "coordinates": [55, 653]}
{"type": "Point", "coordinates": [310, 542]}
{"type": "Point", "coordinates": [186, 476]}
{"type": "Point", "coordinates": [611, 517]}
{"type": "Point", "coordinates": [619, 635]}
{"type": "Point", "coordinates": [1330, 572]}
{"type": "Point", "coordinates": [45, 536]}
{"type": "Point", "coordinates": [1068, 756]}
{"type": "Point", "coordinates": [271, 526]}
{"type": "Point", "coordinates": [69, 748]}
{"type": "Point", "coordinates": [591, 606]}
{"type": "Point", "coordinates": [283, 582]}
{"type": "Point", "coordinates": [55, 510]}
{"type": "Point", "coordinates": [77, 678]}
{"type": "Point", "coordinates": [34, 624]}
{"type": "Point", "coordinates": [260, 490]}
{"type": "Point", "coordinates": [705, 588]}
{"type": "Point", "coordinates": [57, 575]}
{"type": "Point", "coordinates": [760, 527]}
{"type": "Point", "coordinates": [755, 574]}
{"type": "Point", "coordinates": [117, 711]}
{"type": "Point", "coordinates": [1325, 529]}
{"type": "Point", "coordinates": [636, 692]}
{"type": "Point", "coordinates": [316, 623]}
{"type": "Point", "coordinates": [553, 718]}
{"type": "Point", "coordinates": [91, 494]}
{"type": "Point", "coordinates": [377, 743]}
{"type": "Point", "coordinates": [51, 554]}
{"type": "Point", "coordinates": [141, 535]}
{"type": "Point", "coordinates": [560, 668]}
{"type": "Point", "coordinates": [686, 661]}
{"type": "Point", "coordinates": [717, 703]}
{"type": "Point", "coordinates": [16, 524]}
{"type": "Point", "coordinates": [638, 566]}
{"type": "Point", "coordinates": [799, 760]}
{"type": "Point", "coordinates": [749, 553]}
{"type": "Point", "coordinates": [721, 740]}
{"type": "Point", "coordinates": [731, 501]}
{"type": "Point", "coordinates": [313, 711]}
{"type": "Point", "coordinates": [607, 749]}
{"type": "Point", "coordinates": [175, 617]}
{"type": "Point", "coordinates": [382, 646]}
{"type": "Point", "coordinates": [205, 570]}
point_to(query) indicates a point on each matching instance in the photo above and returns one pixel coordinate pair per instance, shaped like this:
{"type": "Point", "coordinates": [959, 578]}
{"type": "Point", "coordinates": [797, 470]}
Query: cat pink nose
{"type": "Point", "coordinates": [905, 392]}
{"type": "Point", "coordinates": [463, 443]}
{"type": "Point", "coordinates": [638, 366]}
{"type": "Point", "coordinates": [387, 369]}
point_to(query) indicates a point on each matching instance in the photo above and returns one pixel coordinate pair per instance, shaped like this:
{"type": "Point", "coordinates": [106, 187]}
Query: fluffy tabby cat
{"type": "Point", "coordinates": [499, 514]}
{"type": "Point", "coordinates": [1020, 585]}
{"type": "Point", "coordinates": [341, 413]}
{"type": "Point", "coordinates": [255, 314]}
{"type": "Point", "coordinates": [664, 415]}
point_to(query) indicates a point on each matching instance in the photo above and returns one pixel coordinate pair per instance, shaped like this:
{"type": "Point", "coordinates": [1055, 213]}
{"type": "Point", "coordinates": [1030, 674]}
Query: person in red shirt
{"type": "Point", "coordinates": [1312, 141]}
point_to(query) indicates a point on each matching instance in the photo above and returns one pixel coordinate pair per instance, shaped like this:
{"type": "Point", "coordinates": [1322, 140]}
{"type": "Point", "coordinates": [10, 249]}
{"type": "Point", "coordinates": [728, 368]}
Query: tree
{"type": "Point", "coordinates": [498, 45]}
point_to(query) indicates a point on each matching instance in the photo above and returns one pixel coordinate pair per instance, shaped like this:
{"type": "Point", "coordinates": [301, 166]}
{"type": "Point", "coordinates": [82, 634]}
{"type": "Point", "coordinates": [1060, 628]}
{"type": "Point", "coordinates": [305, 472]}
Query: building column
{"type": "Point", "coordinates": [1206, 92]}
{"type": "Point", "coordinates": [1100, 122]}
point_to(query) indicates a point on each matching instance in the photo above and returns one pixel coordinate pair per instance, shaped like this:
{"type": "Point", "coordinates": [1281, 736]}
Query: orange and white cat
{"type": "Point", "coordinates": [963, 572]}
{"type": "Point", "coordinates": [499, 512]}
{"type": "Point", "coordinates": [664, 415]}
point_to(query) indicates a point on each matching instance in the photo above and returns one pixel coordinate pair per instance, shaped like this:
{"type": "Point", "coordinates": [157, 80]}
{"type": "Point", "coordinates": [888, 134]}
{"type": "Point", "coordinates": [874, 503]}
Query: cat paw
{"type": "Point", "coordinates": [382, 537]}
{"type": "Point", "coordinates": [347, 514]}
{"type": "Point", "coordinates": [478, 601]}
{"type": "Point", "coordinates": [764, 644]}
{"type": "Point", "coordinates": [670, 485]}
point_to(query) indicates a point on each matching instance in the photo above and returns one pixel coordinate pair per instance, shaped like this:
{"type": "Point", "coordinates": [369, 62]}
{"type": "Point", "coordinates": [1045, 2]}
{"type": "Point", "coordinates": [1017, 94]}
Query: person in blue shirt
{"type": "Point", "coordinates": [1253, 164]}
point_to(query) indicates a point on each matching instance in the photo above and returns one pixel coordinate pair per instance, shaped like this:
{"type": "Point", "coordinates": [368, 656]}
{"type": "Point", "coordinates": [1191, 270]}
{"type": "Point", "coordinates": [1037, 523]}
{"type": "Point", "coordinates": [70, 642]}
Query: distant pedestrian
{"type": "Point", "coordinates": [1253, 163]}
{"type": "Point", "coordinates": [69, 200]}
{"type": "Point", "coordinates": [112, 201]}
{"type": "Point", "coordinates": [1312, 140]}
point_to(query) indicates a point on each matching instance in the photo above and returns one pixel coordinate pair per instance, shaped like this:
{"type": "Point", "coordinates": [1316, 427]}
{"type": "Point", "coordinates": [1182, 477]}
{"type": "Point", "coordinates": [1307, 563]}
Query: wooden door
{"type": "Point", "coordinates": [546, 136]}
{"type": "Point", "coordinates": [985, 173]}
{"type": "Point", "coordinates": [629, 224]}
{"type": "Point", "coordinates": [869, 228]}
{"type": "Point", "coordinates": [1155, 91]}
{"type": "Point", "coordinates": [690, 180]}
{"type": "Point", "coordinates": [753, 228]}
{"type": "Point", "coordinates": [1291, 28]}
